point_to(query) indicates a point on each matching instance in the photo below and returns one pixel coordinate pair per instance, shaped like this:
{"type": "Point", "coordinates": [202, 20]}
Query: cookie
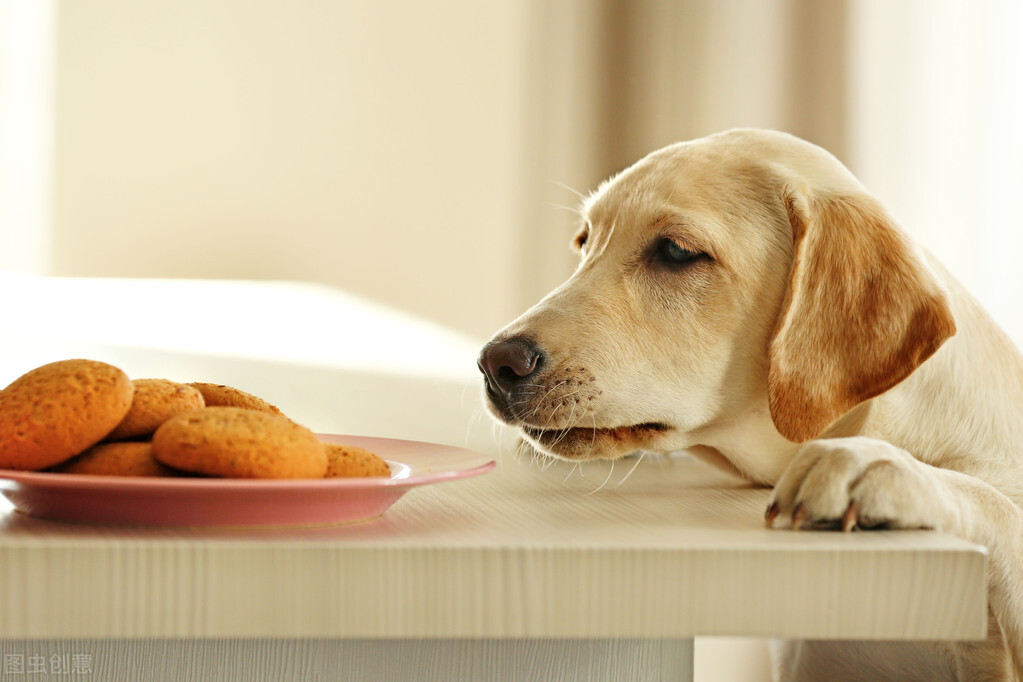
{"type": "Point", "coordinates": [58, 410]}
{"type": "Point", "coordinates": [155, 401]}
{"type": "Point", "coordinates": [350, 461]}
{"type": "Point", "coordinates": [218, 395]}
{"type": "Point", "coordinates": [126, 458]}
{"type": "Point", "coordinates": [235, 442]}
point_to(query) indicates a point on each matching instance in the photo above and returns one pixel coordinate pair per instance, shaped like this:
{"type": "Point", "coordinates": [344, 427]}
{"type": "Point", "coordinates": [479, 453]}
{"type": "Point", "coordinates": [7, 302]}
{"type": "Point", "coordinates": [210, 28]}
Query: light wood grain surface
{"type": "Point", "coordinates": [675, 550]}
{"type": "Point", "coordinates": [590, 577]}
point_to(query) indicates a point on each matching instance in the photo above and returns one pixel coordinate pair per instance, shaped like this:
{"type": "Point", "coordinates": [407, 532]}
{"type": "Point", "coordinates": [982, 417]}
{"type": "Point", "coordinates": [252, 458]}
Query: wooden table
{"type": "Point", "coordinates": [524, 573]}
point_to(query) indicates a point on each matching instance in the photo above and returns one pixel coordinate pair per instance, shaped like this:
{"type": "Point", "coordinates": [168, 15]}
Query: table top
{"type": "Point", "coordinates": [527, 550]}
{"type": "Point", "coordinates": [659, 547]}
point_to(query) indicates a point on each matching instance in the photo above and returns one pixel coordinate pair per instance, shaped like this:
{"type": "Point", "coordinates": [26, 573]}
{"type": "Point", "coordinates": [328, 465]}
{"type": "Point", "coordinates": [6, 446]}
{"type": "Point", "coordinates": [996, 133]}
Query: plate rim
{"type": "Point", "coordinates": [154, 483]}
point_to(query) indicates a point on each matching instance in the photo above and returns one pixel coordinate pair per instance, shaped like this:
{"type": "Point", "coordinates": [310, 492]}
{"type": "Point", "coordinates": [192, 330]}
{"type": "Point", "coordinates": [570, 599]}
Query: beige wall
{"type": "Point", "coordinates": [421, 154]}
{"type": "Point", "coordinates": [424, 154]}
{"type": "Point", "coordinates": [373, 146]}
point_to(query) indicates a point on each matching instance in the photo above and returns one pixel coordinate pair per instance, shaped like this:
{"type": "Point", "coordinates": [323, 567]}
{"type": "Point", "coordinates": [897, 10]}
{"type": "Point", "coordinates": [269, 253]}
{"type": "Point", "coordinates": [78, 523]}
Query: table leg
{"type": "Point", "coordinates": [486, 660]}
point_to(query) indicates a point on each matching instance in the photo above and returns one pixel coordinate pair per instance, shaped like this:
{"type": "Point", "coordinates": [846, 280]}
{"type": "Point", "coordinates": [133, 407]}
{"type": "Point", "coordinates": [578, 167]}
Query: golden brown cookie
{"type": "Point", "coordinates": [126, 458]}
{"type": "Point", "coordinates": [218, 395]}
{"type": "Point", "coordinates": [350, 461]}
{"type": "Point", "coordinates": [155, 401]}
{"type": "Point", "coordinates": [58, 410]}
{"type": "Point", "coordinates": [238, 443]}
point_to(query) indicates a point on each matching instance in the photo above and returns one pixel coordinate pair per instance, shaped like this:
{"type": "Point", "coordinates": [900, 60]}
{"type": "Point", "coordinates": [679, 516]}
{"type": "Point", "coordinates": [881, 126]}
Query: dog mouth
{"type": "Point", "coordinates": [592, 442]}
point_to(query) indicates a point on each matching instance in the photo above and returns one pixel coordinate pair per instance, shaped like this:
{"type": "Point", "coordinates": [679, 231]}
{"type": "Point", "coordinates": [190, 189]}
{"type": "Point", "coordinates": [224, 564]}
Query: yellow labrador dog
{"type": "Point", "coordinates": [743, 297]}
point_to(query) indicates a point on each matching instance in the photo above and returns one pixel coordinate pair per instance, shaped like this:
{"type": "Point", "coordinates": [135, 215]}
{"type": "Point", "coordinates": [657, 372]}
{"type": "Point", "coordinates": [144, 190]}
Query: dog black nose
{"type": "Point", "coordinates": [507, 364]}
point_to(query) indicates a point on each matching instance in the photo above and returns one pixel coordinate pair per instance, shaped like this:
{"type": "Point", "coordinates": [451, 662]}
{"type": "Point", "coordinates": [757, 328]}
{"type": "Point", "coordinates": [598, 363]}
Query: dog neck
{"type": "Point", "coordinates": [751, 447]}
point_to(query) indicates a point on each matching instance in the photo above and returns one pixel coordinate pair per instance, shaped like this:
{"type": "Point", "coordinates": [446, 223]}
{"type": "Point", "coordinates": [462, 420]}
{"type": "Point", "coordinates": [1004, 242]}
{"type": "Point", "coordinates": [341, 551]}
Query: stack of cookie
{"type": "Point", "coordinates": [89, 417]}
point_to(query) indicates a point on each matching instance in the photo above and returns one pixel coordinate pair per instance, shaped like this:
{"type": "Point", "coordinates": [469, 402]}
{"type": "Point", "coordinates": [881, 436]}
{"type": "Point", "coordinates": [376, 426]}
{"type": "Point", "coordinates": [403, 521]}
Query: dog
{"type": "Point", "coordinates": [743, 297]}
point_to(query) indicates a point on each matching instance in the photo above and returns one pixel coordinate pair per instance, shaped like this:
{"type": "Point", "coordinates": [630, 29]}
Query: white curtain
{"type": "Point", "coordinates": [923, 99]}
{"type": "Point", "coordinates": [936, 104]}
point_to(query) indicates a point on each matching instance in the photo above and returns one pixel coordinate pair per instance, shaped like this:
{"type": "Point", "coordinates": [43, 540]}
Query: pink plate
{"type": "Point", "coordinates": [134, 500]}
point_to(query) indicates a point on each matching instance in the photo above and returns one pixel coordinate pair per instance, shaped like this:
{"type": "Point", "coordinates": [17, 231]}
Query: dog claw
{"type": "Point", "coordinates": [851, 517]}
{"type": "Point", "coordinates": [771, 514]}
{"type": "Point", "coordinates": [799, 515]}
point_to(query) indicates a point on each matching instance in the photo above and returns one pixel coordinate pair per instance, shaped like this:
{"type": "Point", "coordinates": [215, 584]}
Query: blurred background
{"type": "Point", "coordinates": [428, 155]}
{"type": "Point", "coordinates": [425, 159]}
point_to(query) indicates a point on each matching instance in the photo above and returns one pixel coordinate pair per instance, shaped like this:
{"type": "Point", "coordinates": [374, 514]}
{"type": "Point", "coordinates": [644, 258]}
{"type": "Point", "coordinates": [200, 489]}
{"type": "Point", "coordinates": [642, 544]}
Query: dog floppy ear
{"type": "Point", "coordinates": [860, 314]}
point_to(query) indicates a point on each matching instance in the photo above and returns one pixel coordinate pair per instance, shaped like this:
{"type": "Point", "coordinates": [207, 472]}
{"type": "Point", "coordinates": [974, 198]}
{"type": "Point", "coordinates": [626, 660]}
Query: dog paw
{"type": "Point", "coordinates": [856, 482]}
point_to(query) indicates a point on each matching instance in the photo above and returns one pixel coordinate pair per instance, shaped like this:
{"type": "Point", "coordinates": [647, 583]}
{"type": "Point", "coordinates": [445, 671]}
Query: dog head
{"type": "Point", "coordinates": [743, 280]}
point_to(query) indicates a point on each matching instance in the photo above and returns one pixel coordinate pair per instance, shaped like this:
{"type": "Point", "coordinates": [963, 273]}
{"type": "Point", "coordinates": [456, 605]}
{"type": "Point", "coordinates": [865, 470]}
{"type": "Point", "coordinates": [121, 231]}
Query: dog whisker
{"type": "Point", "coordinates": [573, 190]}
{"type": "Point", "coordinates": [639, 458]}
{"type": "Point", "coordinates": [600, 487]}
{"type": "Point", "coordinates": [548, 462]}
{"type": "Point", "coordinates": [476, 418]}
{"type": "Point", "coordinates": [574, 210]}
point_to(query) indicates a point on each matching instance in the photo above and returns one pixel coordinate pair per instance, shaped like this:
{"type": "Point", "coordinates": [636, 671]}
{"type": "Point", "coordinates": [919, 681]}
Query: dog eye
{"type": "Point", "coordinates": [579, 242]}
{"type": "Point", "coordinates": [670, 252]}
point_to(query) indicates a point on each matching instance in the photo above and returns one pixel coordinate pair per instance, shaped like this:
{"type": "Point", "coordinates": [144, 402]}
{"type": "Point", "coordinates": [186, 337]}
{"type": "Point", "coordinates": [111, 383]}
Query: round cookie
{"type": "Point", "coordinates": [218, 395]}
{"type": "Point", "coordinates": [116, 459]}
{"type": "Point", "coordinates": [58, 410]}
{"type": "Point", "coordinates": [350, 461]}
{"type": "Point", "coordinates": [238, 443]}
{"type": "Point", "coordinates": [155, 401]}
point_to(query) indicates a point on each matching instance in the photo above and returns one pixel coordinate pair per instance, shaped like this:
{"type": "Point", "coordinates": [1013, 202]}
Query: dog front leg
{"type": "Point", "coordinates": [994, 521]}
{"type": "Point", "coordinates": [865, 483]}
